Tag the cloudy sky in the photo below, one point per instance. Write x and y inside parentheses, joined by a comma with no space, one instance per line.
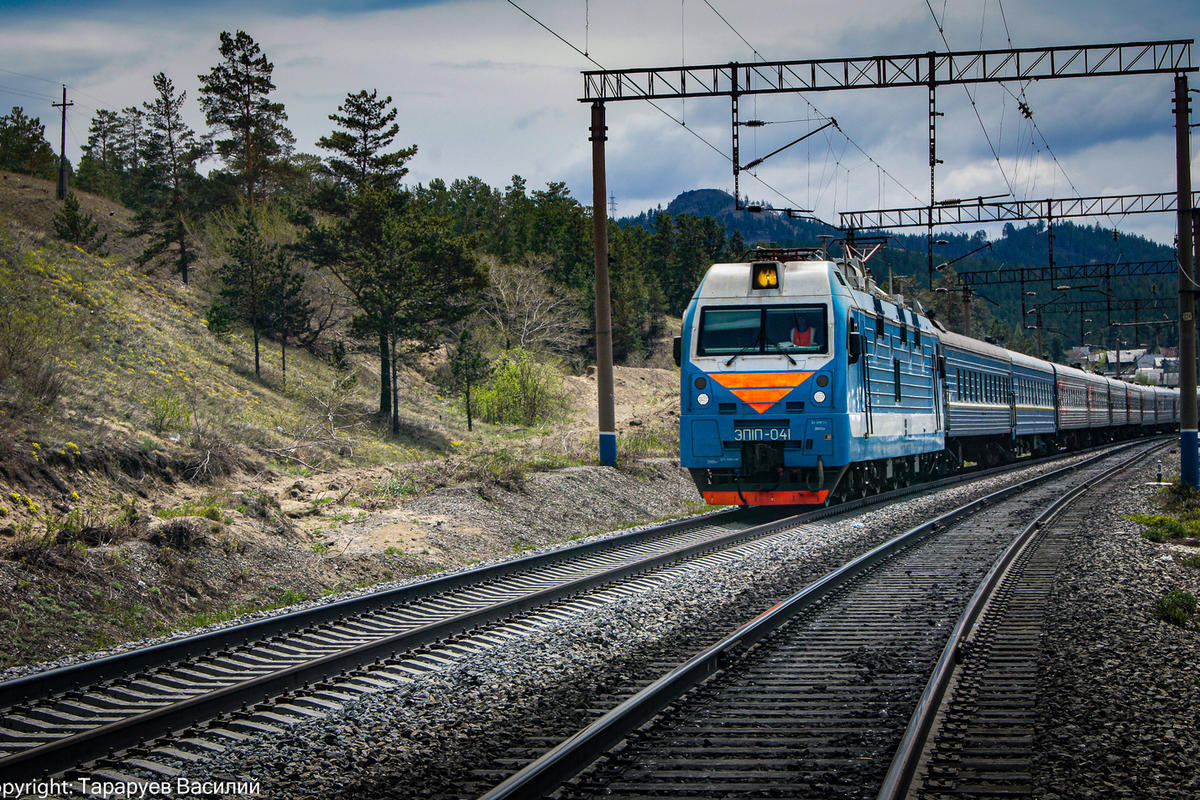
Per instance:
(483,90)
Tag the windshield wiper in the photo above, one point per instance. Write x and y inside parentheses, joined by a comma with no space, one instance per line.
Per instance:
(757,346)
(782,352)
(747,349)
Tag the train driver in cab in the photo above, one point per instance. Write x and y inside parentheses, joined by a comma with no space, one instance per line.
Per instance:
(803,333)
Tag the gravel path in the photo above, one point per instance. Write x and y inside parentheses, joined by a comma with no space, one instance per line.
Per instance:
(425,738)
(1120,692)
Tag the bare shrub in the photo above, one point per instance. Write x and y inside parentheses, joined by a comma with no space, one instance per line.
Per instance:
(530,310)
(325,431)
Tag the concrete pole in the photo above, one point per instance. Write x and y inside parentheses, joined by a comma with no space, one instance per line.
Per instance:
(604,365)
(1189,449)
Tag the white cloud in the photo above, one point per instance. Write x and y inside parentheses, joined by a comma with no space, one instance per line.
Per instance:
(484,91)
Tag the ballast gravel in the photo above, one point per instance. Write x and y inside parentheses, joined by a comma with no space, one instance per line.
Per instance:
(453,732)
(1119,693)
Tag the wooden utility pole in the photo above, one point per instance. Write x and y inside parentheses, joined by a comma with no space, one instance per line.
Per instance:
(62,147)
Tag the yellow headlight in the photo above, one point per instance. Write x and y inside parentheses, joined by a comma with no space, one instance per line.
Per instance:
(766,276)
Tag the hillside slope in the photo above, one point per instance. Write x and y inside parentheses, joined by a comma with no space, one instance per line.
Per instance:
(149,480)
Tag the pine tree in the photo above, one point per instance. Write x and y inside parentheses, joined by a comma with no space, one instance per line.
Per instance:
(168,180)
(409,275)
(290,309)
(369,194)
(517,216)
(260,287)
(426,279)
(100,166)
(131,138)
(368,129)
(468,367)
(23,145)
(235,96)
(77,227)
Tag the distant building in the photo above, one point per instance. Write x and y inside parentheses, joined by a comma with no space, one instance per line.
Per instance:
(1158,370)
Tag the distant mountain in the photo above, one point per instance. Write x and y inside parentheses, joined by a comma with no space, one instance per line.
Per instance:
(1026,245)
(763,227)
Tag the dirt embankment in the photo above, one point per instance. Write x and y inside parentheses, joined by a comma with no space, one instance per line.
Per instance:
(102,585)
(187,550)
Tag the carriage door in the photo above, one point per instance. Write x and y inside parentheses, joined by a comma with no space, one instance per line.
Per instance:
(864,358)
(1013,383)
(941,391)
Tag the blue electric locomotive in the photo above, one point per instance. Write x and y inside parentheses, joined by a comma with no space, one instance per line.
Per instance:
(800,377)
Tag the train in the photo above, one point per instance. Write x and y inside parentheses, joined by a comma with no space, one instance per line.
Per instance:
(803,382)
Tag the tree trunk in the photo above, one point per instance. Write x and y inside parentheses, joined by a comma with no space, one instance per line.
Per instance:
(257,373)
(395,392)
(183,256)
(385,379)
(469,425)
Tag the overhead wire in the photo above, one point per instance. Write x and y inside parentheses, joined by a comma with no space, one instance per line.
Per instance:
(656,106)
(1023,99)
(942,32)
(26,93)
(820,114)
(736,32)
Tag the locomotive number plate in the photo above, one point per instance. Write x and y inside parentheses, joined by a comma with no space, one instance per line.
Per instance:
(762,433)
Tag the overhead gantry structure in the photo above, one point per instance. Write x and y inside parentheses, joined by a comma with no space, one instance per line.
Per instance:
(930,70)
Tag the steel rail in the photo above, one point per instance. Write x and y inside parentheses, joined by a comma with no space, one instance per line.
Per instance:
(571,756)
(70,750)
(38,685)
(908,755)
(131,730)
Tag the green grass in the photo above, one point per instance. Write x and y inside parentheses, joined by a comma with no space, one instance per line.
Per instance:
(1164,527)
(1176,607)
(1180,517)
(394,488)
(648,443)
(281,599)
(206,508)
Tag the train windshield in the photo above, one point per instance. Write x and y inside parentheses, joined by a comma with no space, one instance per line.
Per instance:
(740,330)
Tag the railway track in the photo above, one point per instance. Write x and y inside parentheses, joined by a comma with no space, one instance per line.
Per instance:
(315,660)
(972,734)
(812,697)
(90,709)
